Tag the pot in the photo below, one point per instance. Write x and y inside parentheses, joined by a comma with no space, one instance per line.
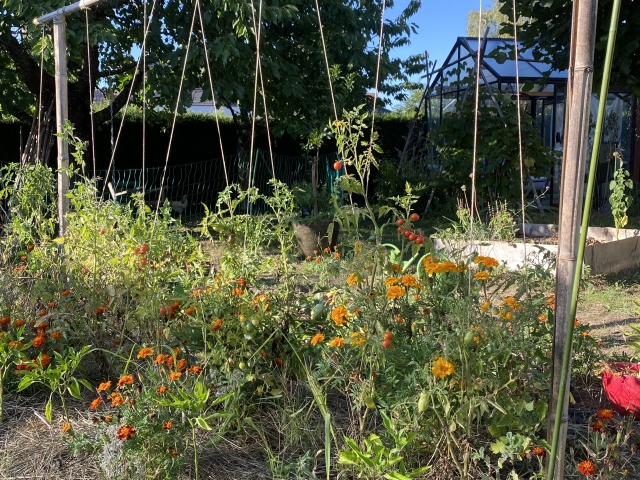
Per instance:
(621,382)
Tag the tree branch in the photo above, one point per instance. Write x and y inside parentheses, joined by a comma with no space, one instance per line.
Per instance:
(117,71)
(26,66)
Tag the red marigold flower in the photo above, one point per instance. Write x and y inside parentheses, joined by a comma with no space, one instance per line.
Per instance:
(52,304)
(538,451)
(162,389)
(42,326)
(242,282)
(5,321)
(39,340)
(587,468)
(56,335)
(66,293)
(605,414)
(169,361)
(45,360)
(18,323)
(173,376)
(96,403)
(125,432)
(104,386)
(125,380)
(145,352)
(167,425)
(597,426)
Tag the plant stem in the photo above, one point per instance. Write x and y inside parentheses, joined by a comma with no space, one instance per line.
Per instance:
(195,451)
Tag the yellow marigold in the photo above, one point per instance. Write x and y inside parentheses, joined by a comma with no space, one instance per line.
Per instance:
(339,315)
(352,280)
(410,281)
(396,292)
(358,338)
(482,275)
(442,368)
(512,303)
(337,342)
(145,352)
(317,338)
(389,282)
(485,305)
(104,386)
(173,376)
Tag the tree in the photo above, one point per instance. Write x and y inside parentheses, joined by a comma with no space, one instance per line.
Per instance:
(492,18)
(294,74)
(547,30)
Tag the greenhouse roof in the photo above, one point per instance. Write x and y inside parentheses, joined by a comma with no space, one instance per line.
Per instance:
(529,69)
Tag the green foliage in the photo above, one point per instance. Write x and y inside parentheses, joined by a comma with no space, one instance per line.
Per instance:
(497,156)
(620,200)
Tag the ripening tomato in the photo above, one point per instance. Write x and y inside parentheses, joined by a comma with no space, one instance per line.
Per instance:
(144,247)
(337,165)
(163,311)
(84,271)
(386,343)
(388,335)
(413,237)
(136,250)
(420,240)
(401,221)
(415,217)
(143,261)
(400,229)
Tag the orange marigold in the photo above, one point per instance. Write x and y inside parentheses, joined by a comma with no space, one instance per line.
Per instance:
(56,335)
(173,376)
(391,281)
(482,275)
(442,368)
(42,313)
(396,292)
(116,399)
(39,340)
(125,432)
(161,358)
(125,380)
(42,326)
(317,338)
(145,352)
(339,315)
(538,451)
(182,364)
(542,318)
(45,360)
(52,304)
(358,339)
(104,386)
(66,293)
(587,468)
(190,311)
(95,404)
(162,389)
(65,427)
(5,321)
(337,342)
(19,323)
(605,414)
(597,426)
(410,281)
(217,324)
(167,425)
(195,369)
(352,279)
(237,292)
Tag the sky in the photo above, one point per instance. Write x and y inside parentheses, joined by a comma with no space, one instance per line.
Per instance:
(439,23)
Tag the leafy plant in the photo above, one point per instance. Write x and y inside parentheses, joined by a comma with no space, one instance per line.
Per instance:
(620,200)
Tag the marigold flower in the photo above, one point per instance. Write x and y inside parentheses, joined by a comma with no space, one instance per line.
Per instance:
(39,340)
(538,451)
(65,427)
(410,281)
(100,310)
(190,311)
(605,414)
(352,279)
(169,361)
(15,344)
(125,432)
(597,426)
(587,468)
(576,323)
(173,376)
(18,323)
(261,301)
(242,282)
(42,313)
(96,403)
(104,386)
(542,318)
(308,258)
(358,339)
(391,281)
(339,315)
(45,360)
(337,342)
(216,325)
(145,352)
(318,259)
(317,338)
(52,304)
(395,292)
(442,368)
(585,334)
(108,418)
(481,275)
(237,292)
(5,321)
(167,425)
(195,369)
(42,326)
(161,358)
(116,399)
(56,335)
(337,255)
(182,364)
(125,380)
(326,250)
(65,293)
(162,389)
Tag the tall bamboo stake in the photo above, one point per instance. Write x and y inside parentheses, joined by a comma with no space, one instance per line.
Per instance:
(573,169)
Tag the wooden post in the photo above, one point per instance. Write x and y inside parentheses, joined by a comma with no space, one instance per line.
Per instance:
(572,185)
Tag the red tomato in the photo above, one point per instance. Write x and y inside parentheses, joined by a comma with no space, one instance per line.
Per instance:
(420,240)
(388,335)
(84,271)
(415,217)
(144,247)
(413,237)
(337,165)
(136,250)
(401,221)
(408,233)
(400,229)
(143,261)
(386,343)
(102,232)
(163,311)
